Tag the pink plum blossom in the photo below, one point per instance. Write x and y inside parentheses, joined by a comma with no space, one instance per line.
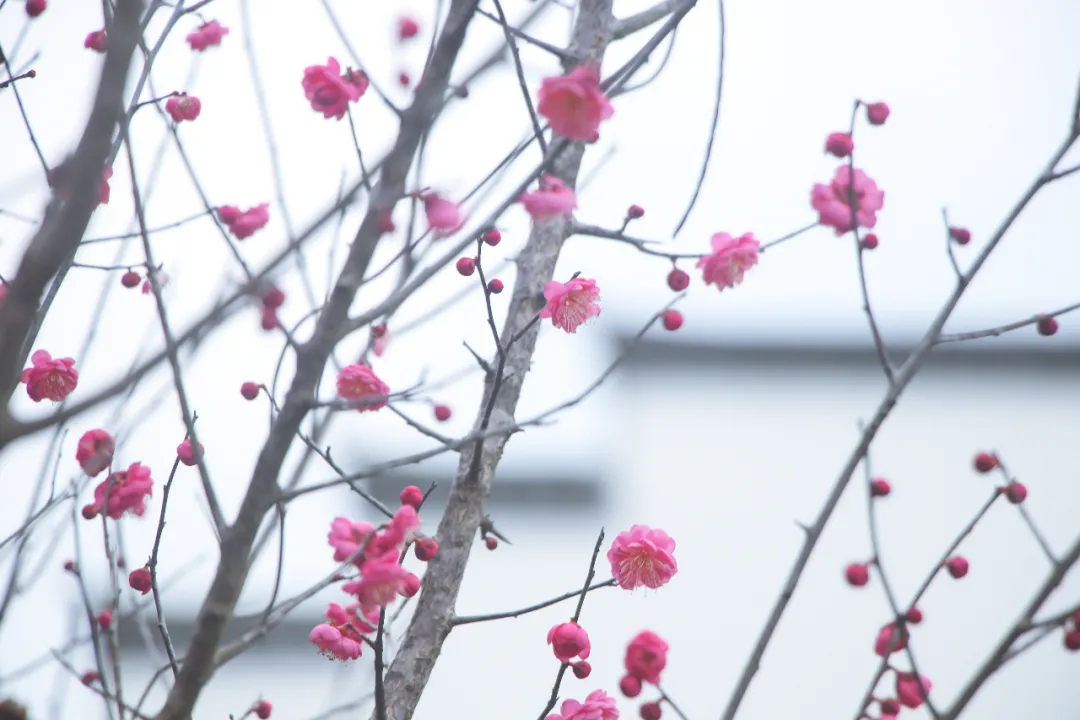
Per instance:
(571,304)
(95,451)
(597,706)
(358,382)
(646,657)
(908,690)
(730,259)
(833,203)
(642,556)
(330,92)
(444,217)
(127,490)
(892,637)
(341,638)
(347,537)
(574,104)
(243,224)
(206,35)
(103,185)
(553,199)
(49,378)
(568,641)
(183,107)
(382,579)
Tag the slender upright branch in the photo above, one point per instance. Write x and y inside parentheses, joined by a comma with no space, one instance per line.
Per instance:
(432,621)
(72,205)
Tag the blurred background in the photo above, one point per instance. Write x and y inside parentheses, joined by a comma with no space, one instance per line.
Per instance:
(726,433)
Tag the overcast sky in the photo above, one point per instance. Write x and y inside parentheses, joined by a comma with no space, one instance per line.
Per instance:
(980,91)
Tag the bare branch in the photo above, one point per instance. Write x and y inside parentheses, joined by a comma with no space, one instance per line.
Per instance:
(431,623)
(469,619)
(903,377)
(639,21)
(71,207)
(311,359)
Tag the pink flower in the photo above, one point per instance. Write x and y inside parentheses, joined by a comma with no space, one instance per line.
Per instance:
(413,496)
(574,104)
(48,378)
(877,113)
(646,657)
(407,28)
(642,556)
(890,637)
(162,279)
(908,690)
(597,706)
(347,537)
(141,580)
(730,259)
(571,304)
(403,526)
(103,186)
(381,341)
(183,107)
(833,204)
(358,382)
(329,92)
(552,199)
(839,144)
(381,581)
(244,224)
(97,41)
(569,640)
(444,217)
(95,451)
(185,452)
(342,637)
(207,35)
(128,490)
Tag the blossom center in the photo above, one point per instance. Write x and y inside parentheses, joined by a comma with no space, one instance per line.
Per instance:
(327,96)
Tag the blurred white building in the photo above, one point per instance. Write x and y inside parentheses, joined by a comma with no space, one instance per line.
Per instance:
(727,446)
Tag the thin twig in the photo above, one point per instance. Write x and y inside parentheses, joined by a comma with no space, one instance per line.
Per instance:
(577,616)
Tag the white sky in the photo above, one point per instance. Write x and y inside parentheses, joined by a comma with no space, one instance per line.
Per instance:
(980,93)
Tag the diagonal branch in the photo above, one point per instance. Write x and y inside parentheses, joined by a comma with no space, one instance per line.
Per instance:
(311,359)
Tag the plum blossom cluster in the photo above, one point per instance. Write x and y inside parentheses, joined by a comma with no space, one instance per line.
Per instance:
(598,705)
(244,223)
(639,556)
(377,554)
(852,198)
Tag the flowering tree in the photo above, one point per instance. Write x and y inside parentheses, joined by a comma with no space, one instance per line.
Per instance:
(385,202)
